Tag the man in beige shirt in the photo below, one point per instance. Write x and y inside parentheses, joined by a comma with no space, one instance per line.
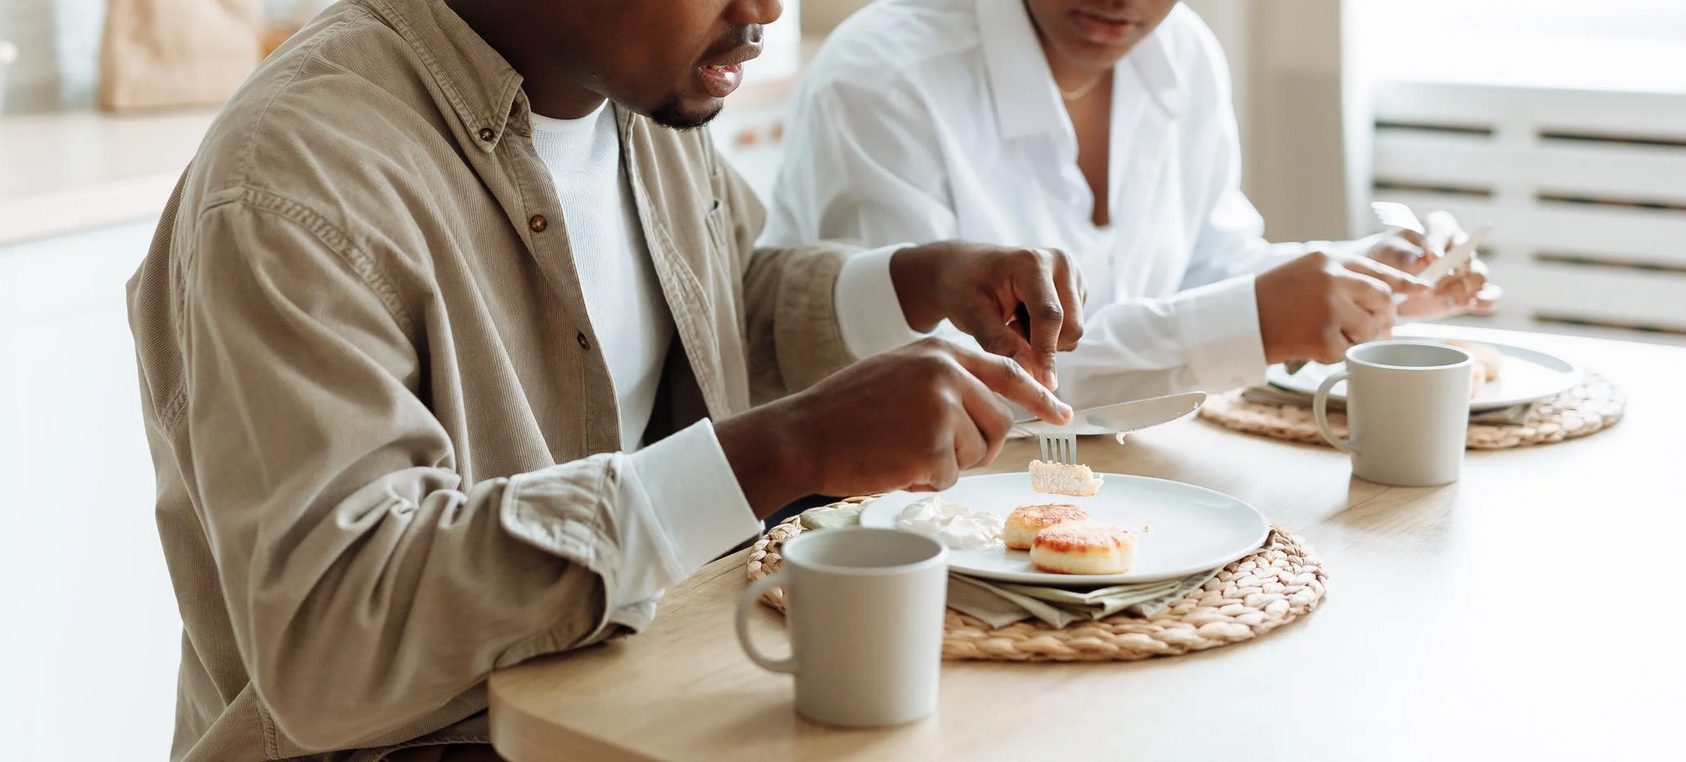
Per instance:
(393,452)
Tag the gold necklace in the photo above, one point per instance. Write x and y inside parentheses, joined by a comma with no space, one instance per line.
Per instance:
(1072,95)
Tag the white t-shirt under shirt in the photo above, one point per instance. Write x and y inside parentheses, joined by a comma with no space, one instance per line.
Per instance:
(622,295)
(685,503)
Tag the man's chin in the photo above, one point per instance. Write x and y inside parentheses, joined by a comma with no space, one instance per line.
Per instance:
(675,113)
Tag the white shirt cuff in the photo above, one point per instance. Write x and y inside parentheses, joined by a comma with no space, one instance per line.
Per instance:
(868,313)
(685,510)
(1219,324)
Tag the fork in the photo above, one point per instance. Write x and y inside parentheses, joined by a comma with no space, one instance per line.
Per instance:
(1396,215)
(1058,448)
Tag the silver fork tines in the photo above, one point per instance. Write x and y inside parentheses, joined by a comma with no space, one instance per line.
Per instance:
(1058,448)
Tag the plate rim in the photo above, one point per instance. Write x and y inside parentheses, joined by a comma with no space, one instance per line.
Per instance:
(1275,374)
(1087,580)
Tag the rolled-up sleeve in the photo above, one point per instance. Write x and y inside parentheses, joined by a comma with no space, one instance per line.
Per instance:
(367,582)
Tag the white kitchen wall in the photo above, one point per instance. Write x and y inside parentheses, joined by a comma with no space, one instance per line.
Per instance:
(1303,125)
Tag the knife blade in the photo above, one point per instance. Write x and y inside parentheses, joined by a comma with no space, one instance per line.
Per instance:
(1459,256)
(1120,417)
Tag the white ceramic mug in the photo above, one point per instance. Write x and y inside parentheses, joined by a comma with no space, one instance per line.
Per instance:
(1407,410)
(864,608)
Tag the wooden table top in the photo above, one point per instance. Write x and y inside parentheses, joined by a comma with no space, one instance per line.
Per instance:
(1525,611)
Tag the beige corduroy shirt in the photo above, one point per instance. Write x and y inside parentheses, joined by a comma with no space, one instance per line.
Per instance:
(385,437)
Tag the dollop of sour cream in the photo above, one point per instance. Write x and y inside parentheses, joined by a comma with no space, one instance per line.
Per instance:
(952,524)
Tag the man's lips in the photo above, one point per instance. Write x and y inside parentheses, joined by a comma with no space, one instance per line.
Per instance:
(1103,28)
(720,81)
(722,74)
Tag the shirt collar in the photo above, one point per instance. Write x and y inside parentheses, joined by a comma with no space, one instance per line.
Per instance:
(1020,82)
(482,89)
(1152,61)
(1027,101)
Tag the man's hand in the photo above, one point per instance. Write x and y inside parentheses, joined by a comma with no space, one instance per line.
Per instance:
(1018,303)
(1466,290)
(911,418)
(1317,305)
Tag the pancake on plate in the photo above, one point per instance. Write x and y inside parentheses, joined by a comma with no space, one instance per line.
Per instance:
(1026,520)
(1487,363)
(1084,547)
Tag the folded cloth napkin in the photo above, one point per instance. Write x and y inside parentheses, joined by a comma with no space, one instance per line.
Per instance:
(1001,603)
(1272,395)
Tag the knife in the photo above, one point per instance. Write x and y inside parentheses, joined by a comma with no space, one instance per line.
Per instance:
(1121,417)
(1459,256)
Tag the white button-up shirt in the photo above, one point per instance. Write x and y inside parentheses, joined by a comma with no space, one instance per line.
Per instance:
(923,120)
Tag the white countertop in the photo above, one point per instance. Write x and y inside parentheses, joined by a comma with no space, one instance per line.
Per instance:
(69,171)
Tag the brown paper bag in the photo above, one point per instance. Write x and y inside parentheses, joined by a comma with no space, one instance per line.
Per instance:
(161,53)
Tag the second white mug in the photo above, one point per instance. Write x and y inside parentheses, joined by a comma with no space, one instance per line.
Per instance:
(1407,411)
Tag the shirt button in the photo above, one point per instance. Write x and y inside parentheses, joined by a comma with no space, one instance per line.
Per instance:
(538,223)
(580,337)
(487,134)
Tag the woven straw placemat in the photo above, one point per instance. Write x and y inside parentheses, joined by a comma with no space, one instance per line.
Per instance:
(1593,406)
(1280,582)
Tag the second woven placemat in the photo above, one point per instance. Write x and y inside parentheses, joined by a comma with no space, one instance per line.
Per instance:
(1280,582)
(1593,406)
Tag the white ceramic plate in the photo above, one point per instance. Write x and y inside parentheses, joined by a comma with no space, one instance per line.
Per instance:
(1526,375)
(1180,528)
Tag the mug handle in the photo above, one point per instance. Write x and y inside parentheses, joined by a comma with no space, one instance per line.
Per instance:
(747,602)
(1320,410)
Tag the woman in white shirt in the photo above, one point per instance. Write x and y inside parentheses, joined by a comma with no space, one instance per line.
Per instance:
(1104,129)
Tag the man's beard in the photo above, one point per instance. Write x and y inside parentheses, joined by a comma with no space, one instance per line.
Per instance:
(672,114)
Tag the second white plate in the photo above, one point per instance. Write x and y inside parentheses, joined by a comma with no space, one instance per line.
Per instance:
(1526,375)
(1180,528)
